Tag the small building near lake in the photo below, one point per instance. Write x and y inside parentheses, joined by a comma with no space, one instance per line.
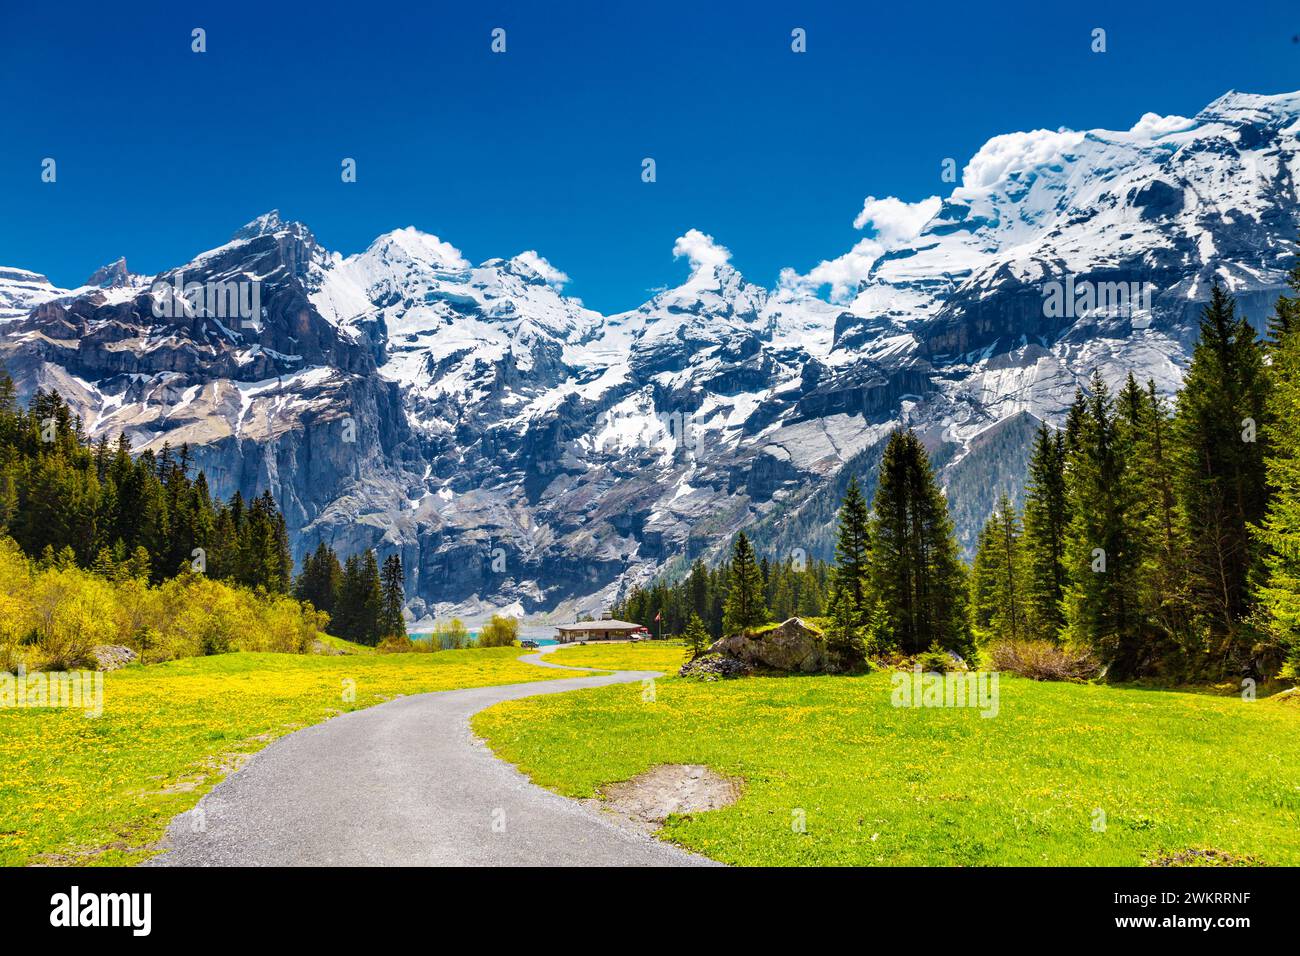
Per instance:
(606,630)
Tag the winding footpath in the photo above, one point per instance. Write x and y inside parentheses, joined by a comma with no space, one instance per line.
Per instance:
(405,783)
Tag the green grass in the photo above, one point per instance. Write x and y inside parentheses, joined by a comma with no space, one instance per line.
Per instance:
(342,644)
(75,790)
(666,656)
(879,785)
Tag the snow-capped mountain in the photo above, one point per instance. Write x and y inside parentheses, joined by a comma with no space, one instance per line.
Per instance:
(21,291)
(523,451)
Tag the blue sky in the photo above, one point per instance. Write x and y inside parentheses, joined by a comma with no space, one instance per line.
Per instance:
(162,152)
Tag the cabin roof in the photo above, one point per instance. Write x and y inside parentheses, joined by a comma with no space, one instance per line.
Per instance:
(599,626)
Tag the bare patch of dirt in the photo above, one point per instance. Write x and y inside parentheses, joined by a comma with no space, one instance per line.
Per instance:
(1202,857)
(183,786)
(221,765)
(647,800)
(230,763)
(86,856)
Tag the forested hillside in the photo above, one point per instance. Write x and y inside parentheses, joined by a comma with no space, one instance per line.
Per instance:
(108,509)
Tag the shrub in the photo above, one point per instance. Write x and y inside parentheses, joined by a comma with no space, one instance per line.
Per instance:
(1043,660)
(847,649)
(499,632)
(449,637)
(16,620)
(74,611)
(395,644)
(53,613)
(937,661)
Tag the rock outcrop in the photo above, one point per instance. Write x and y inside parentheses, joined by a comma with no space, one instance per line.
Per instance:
(111,657)
(792,646)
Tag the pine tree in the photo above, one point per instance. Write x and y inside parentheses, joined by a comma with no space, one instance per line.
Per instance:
(1074,420)
(984,581)
(62,490)
(916,574)
(1046,520)
(999,599)
(697,638)
(321,578)
(372,599)
(1101,557)
(698,589)
(1220,432)
(1160,547)
(850,578)
(783,592)
(391,622)
(851,602)
(1279,533)
(348,611)
(744,609)
(812,599)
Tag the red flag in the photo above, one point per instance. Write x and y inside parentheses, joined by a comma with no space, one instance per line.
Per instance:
(657,616)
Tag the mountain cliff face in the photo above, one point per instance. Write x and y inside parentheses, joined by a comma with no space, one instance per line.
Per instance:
(521,451)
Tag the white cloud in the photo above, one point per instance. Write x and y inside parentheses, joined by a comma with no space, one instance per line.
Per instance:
(895,221)
(1155,125)
(701,250)
(548,272)
(1016,152)
(842,274)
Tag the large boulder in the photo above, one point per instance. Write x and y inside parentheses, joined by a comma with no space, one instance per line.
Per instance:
(793,646)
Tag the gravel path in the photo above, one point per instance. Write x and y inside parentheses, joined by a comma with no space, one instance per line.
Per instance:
(404,783)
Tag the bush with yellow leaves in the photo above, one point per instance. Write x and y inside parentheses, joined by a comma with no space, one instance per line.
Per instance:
(52,614)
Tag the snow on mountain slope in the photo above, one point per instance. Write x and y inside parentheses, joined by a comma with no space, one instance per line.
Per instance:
(21,291)
(451,328)
(520,450)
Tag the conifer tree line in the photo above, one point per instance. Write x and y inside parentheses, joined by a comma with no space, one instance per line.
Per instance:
(61,495)
(775,590)
(1164,536)
(364,602)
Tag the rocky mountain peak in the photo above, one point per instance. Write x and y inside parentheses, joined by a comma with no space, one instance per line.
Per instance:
(266,224)
(115,275)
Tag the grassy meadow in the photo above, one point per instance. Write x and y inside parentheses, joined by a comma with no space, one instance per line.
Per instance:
(76,790)
(666,656)
(835,775)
